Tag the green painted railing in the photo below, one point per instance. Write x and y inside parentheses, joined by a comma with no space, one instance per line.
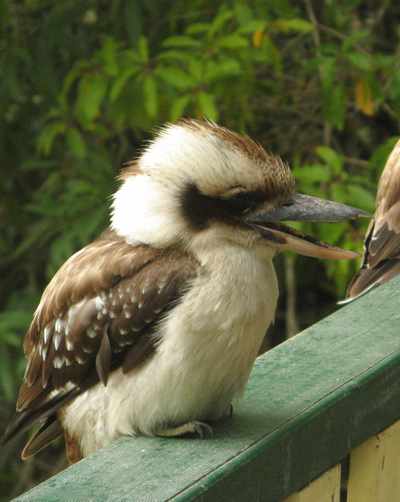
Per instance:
(308,403)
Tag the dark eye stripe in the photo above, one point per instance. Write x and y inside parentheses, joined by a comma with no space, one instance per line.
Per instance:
(243,201)
(199,209)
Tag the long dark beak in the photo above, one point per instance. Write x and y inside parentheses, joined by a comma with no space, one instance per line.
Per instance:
(303,208)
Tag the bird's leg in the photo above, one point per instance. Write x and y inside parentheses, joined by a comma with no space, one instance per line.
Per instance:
(201,429)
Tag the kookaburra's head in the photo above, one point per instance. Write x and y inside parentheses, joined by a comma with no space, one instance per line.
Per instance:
(198,184)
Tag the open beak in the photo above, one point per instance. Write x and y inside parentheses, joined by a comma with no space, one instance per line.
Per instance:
(303,208)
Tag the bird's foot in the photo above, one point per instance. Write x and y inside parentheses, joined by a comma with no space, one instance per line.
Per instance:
(195,427)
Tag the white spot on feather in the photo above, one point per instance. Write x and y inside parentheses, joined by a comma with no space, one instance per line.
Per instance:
(46,334)
(80,360)
(161,287)
(69,344)
(58,362)
(57,340)
(91,333)
(99,303)
(59,325)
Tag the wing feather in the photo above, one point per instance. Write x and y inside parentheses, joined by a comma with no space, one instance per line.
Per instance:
(77,338)
(48,432)
(103,359)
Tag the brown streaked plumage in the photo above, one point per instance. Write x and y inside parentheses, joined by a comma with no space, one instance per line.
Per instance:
(381,260)
(91,320)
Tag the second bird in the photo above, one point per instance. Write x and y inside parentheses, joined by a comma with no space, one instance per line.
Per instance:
(381,260)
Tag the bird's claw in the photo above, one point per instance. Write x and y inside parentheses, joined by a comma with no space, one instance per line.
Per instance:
(202,429)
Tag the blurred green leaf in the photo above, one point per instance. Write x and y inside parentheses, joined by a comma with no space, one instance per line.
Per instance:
(196,69)
(233,42)
(360,60)
(150,96)
(335,106)
(109,56)
(48,135)
(173,55)
(92,90)
(197,28)
(381,154)
(361,197)
(143,48)
(176,77)
(178,107)
(252,26)
(222,69)
(181,41)
(120,82)
(296,25)
(332,158)
(312,173)
(76,143)
(207,106)
(220,20)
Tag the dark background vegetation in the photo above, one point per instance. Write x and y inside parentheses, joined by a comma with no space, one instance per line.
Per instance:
(83,84)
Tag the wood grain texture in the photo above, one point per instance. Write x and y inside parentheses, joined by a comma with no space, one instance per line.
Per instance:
(326,488)
(375,468)
(308,403)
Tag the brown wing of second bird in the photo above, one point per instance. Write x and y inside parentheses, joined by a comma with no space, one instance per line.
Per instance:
(381,259)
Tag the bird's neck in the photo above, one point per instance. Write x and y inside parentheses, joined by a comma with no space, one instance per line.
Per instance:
(243,278)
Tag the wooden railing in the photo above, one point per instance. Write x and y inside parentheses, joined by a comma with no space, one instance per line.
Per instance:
(311,402)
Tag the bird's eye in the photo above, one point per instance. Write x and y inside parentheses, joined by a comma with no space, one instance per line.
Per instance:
(243,201)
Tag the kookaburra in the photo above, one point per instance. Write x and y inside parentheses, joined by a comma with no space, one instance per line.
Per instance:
(381,260)
(153,328)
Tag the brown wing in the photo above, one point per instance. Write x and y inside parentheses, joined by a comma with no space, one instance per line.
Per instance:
(381,259)
(99,313)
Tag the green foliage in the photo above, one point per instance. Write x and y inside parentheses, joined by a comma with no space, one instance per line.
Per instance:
(84,83)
